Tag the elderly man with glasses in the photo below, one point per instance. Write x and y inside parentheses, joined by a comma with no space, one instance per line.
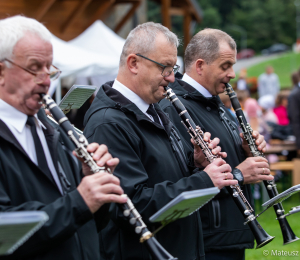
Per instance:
(155,164)
(37,168)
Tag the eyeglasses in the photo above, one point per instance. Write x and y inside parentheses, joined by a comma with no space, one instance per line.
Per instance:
(40,76)
(167,70)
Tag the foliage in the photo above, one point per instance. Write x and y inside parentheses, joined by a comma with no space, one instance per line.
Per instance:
(265,21)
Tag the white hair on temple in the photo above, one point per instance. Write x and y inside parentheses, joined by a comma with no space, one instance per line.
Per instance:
(13,29)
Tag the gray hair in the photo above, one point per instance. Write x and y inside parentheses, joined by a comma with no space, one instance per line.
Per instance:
(141,39)
(205,45)
(13,29)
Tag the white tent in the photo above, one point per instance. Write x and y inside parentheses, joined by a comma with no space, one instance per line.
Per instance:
(93,57)
(73,60)
(100,39)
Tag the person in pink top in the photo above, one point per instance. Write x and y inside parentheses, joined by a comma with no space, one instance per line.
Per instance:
(281,109)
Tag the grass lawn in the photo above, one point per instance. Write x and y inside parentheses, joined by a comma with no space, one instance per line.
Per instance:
(271,226)
(283,67)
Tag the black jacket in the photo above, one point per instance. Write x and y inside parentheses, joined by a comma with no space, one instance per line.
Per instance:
(150,174)
(294,113)
(222,221)
(70,232)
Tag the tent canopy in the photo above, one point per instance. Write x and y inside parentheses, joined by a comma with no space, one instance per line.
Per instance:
(71,59)
(98,38)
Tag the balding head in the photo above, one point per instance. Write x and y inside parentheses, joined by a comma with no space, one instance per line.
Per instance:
(206,45)
(142,40)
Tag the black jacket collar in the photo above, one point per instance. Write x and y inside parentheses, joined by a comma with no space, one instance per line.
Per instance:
(187,91)
(107,97)
(51,134)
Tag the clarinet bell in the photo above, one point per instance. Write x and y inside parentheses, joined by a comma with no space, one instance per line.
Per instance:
(287,232)
(261,236)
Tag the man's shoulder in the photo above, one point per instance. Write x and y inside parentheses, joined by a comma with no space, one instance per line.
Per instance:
(107,115)
(295,93)
(110,119)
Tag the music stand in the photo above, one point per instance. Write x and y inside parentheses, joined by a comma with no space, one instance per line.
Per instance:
(183,205)
(76,97)
(283,196)
(17,227)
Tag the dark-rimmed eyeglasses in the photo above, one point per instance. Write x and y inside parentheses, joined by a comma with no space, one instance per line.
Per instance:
(40,76)
(167,70)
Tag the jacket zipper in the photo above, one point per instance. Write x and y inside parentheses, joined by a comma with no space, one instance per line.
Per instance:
(232,132)
(179,150)
(216,213)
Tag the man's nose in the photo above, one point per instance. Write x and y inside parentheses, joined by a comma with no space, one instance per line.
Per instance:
(46,80)
(170,78)
(231,73)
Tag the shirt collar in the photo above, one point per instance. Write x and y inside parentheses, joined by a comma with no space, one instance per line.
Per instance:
(196,85)
(12,116)
(129,94)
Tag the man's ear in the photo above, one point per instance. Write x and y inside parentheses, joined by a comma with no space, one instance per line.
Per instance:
(2,71)
(199,66)
(132,63)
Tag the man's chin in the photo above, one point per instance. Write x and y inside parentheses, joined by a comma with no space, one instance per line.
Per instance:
(32,109)
(221,88)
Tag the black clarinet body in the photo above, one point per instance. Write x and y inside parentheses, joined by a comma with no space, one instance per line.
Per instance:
(261,236)
(129,211)
(287,232)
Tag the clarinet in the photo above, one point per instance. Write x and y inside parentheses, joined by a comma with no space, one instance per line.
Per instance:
(261,236)
(287,232)
(129,211)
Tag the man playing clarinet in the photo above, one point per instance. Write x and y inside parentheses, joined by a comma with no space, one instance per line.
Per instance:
(156,165)
(37,168)
(208,59)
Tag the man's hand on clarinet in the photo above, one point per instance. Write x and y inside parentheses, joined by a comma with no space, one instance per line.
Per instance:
(220,173)
(100,188)
(255,169)
(101,156)
(199,157)
(259,141)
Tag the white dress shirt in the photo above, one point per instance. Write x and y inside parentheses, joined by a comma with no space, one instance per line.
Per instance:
(134,98)
(186,78)
(16,122)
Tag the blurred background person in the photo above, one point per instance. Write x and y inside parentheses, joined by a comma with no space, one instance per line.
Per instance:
(294,109)
(242,83)
(268,116)
(268,83)
(280,108)
(250,107)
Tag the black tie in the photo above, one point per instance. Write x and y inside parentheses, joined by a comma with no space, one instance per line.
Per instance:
(41,158)
(152,112)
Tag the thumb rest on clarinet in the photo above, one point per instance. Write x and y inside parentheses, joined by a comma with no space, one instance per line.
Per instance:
(129,211)
(261,236)
(287,232)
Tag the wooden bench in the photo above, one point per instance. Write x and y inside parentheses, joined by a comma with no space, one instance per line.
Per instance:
(293,166)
